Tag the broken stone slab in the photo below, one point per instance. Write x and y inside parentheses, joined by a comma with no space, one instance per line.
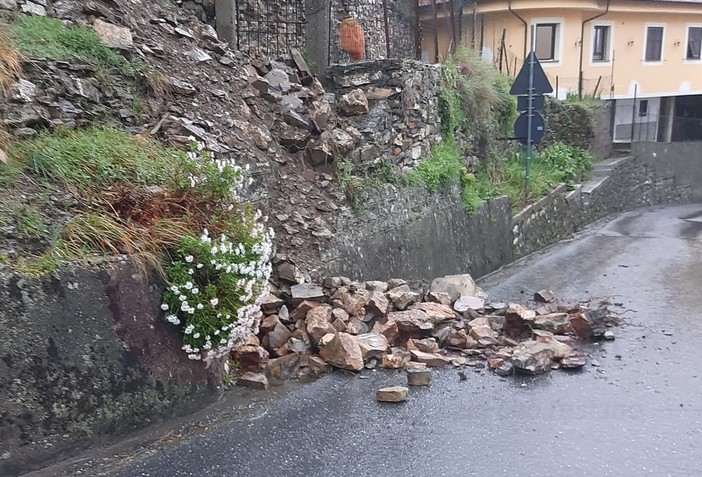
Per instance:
(198,55)
(295,119)
(413,322)
(459,361)
(516,318)
(290,273)
(574,361)
(392,394)
(113,35)
(376,286)
(430,359)
(402,296)
(307,292)
(439,297)
(428,345)
(341,350)
(532,357)
(31,8)
(388,329)
(182,87)
(268,323)
(321,151)
(253,380)
(465,303)
(285,367)
(278,336)
(556,323)
(23,91)
(589,324)
(454,285)
(278,79)
(460,339)
(251,358)
(609,335)
(378,303)
(352,301)
(372,345)
(8,4)
(397,359)
(419,377)
(544,296)
(354,103)
(480,329)
(507,369)
(318,322)
(271,303)
(437,312)
(315,366)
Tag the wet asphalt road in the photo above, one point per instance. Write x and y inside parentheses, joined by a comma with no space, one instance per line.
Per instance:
(637,415)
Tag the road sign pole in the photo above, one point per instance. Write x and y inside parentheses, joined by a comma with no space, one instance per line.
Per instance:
(530,111)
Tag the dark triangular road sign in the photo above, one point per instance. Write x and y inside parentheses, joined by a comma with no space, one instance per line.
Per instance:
(521,82)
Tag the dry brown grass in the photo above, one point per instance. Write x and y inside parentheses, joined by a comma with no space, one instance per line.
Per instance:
(158,84)
(10,61)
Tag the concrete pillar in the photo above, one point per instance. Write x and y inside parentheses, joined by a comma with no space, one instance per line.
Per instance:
(225,14)
(317,33)
(670,116)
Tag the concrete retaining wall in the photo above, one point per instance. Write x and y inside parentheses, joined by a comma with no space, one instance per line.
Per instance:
(85,354)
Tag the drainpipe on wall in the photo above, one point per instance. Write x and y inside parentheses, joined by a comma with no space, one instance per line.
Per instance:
(582,48)
(526,28)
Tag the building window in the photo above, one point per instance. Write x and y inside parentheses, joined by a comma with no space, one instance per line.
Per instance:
(545,41)
(600,47)
(654,43)
(643,107)
(694,39)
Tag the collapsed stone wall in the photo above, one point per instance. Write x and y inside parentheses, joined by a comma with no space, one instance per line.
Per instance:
(85,354)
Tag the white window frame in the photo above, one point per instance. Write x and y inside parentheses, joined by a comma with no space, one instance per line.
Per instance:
(645,44)
(558,46)
(610,46)
(687,38)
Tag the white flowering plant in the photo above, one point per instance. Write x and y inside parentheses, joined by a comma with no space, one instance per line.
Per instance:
(216,280)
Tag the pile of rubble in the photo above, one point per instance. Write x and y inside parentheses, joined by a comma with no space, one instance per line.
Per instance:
(351,326)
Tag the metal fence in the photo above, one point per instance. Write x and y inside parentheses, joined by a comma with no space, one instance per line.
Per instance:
(269,28)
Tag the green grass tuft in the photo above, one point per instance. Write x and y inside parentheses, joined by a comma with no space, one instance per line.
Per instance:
(44,37)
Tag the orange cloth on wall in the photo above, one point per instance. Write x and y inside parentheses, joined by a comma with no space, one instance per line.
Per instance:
(351,39)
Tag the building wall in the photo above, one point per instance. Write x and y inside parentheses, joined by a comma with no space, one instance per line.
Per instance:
(627,70)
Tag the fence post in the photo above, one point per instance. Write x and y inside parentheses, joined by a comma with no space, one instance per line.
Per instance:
(387,28)
(633,113)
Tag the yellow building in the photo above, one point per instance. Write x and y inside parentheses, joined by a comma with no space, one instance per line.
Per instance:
(643,55)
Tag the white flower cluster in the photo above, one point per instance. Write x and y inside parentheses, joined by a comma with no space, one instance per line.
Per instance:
(216,324)
(199,157)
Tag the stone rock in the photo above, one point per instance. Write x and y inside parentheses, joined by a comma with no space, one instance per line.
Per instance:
(402,297)
(318,322)
(285,367)
(354,103)
(321,151)
(413,322)
(480,329)
(388,329)
(465,303)
(271,303)
(353,302)
(392,394)
(355,326)
(516,317)
(495,362)
(278,79)
(430,359)
(589,324)
(609,335)
(253,380)
(23,91)
(295,119)
(460,339)
(419,377)
(8,4)
(532,357)
(376,286)
(113,35)
(260,84)
(377,304)
(544,296)
(315,366)
(428,345)
(574,361)
(296,345)
(396,360)
(300,312)
(557,323)
(372,345)
(455,285)
(341,350)
(278,336)
(507,369)
(251,358)
(198,55)
(290,273)
(396,282)
(458,362)
(439,297)
(342,141)
(268,323)
(437,312)
(307,292)
(31,8)
(340,314)
(182,87)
